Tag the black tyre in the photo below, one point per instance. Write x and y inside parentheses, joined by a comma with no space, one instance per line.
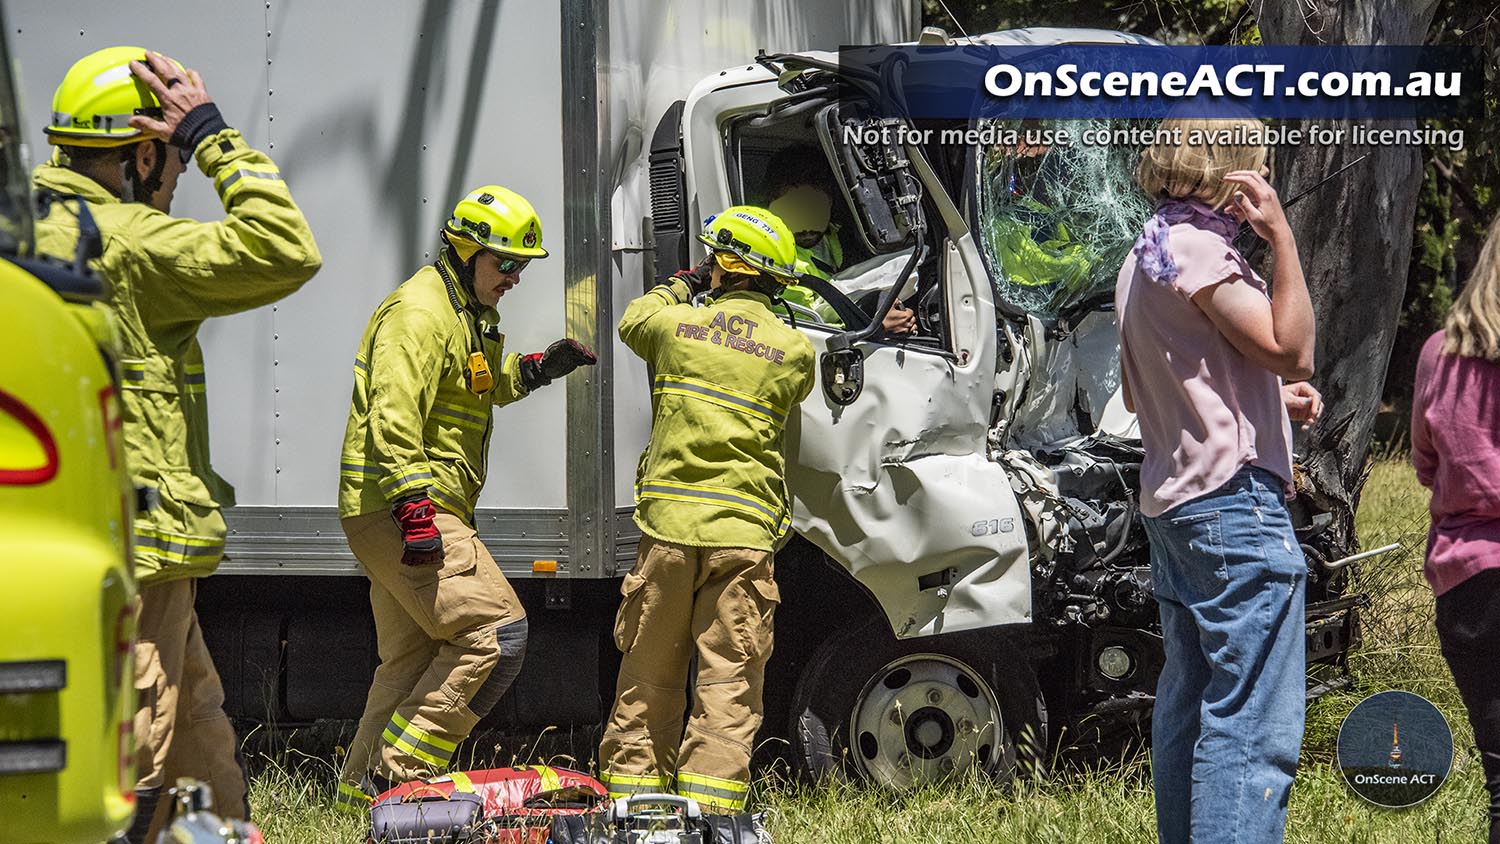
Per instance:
(903,713)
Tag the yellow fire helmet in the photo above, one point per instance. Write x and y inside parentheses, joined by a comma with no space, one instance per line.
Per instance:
(97,98)
(497,219)
(755,238)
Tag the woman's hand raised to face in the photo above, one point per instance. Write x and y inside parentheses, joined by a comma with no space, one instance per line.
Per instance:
(1256,203)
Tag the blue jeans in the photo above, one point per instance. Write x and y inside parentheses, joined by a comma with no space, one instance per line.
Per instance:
(1231,584)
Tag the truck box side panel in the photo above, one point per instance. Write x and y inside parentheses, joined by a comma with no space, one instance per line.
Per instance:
(433,100)
(377,135)
(379,117)
(46,39)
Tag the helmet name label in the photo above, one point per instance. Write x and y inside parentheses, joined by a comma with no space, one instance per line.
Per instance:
(758,223)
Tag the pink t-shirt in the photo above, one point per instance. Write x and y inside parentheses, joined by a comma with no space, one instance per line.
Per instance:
(1455,446)
(1205,410)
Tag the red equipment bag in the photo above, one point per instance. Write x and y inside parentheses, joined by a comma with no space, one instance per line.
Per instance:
(515,806)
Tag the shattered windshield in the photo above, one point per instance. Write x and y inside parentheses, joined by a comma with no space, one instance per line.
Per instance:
(1055,221)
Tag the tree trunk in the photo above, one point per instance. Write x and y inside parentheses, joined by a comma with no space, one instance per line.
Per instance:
(1355,236)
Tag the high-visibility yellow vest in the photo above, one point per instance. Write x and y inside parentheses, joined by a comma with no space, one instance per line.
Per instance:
(821,261)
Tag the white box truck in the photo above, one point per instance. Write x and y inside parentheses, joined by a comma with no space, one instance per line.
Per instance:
(968,570)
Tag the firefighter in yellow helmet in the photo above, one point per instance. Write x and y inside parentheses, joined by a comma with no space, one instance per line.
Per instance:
(712,505)
(125,125)
(430,368)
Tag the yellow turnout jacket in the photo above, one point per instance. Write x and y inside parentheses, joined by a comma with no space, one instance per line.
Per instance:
(726,377)
(414,426)
(167,275)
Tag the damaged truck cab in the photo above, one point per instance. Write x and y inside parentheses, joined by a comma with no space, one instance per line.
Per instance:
(977,479)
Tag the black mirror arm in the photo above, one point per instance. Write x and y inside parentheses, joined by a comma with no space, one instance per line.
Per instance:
(847,339)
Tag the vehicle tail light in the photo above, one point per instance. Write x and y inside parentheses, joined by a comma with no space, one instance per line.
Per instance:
(114,423)
(125,767)
(124,641)
(28,453)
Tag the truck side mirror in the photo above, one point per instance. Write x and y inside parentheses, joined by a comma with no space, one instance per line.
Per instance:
(843,375)
(669,220)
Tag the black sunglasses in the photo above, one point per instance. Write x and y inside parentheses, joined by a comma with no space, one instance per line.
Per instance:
(511,265)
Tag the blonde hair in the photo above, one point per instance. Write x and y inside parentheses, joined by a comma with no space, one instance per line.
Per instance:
(1192,155)
(1473,326)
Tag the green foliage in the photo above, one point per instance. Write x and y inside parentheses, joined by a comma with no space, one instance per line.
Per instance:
(1173,21)
(1459,198)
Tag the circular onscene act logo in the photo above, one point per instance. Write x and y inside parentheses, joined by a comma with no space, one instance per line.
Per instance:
(1395,749)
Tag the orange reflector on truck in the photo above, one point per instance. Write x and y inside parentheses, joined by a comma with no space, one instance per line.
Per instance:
(544,567)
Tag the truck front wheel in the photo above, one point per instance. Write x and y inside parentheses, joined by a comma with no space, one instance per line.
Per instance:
(906,713)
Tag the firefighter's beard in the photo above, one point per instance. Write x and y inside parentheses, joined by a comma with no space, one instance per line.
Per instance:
(809,239)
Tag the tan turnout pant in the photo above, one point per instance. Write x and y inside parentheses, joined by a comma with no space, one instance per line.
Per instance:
(713,603)
(451,639)
(180,726)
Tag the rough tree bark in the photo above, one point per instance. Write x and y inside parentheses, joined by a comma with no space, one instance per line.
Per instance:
(1355,237)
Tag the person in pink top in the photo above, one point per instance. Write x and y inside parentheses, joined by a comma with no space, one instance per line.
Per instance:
(1455,446)
(1204,349)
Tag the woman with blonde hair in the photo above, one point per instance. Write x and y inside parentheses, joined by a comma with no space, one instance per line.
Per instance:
(1204,349)
(1455,446)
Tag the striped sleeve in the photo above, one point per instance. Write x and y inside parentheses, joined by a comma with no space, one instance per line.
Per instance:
(635,325)
(261,251)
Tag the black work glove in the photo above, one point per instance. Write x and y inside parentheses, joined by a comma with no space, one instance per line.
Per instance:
(699,278)
(421,543)
(538,369)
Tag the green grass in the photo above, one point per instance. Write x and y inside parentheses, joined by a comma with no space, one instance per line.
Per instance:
(1114,804)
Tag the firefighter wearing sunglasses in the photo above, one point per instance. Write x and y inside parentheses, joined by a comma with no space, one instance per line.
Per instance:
(428,372)
(712,506)
(125,125)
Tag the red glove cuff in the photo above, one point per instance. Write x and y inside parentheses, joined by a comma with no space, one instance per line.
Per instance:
(414,517)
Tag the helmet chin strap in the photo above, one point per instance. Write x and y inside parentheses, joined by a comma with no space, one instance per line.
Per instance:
(132,187)
(465,271)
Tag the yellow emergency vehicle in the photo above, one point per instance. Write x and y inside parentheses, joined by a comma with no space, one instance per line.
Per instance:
(68,610)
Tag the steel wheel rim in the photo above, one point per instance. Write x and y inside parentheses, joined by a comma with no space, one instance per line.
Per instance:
(924,717)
